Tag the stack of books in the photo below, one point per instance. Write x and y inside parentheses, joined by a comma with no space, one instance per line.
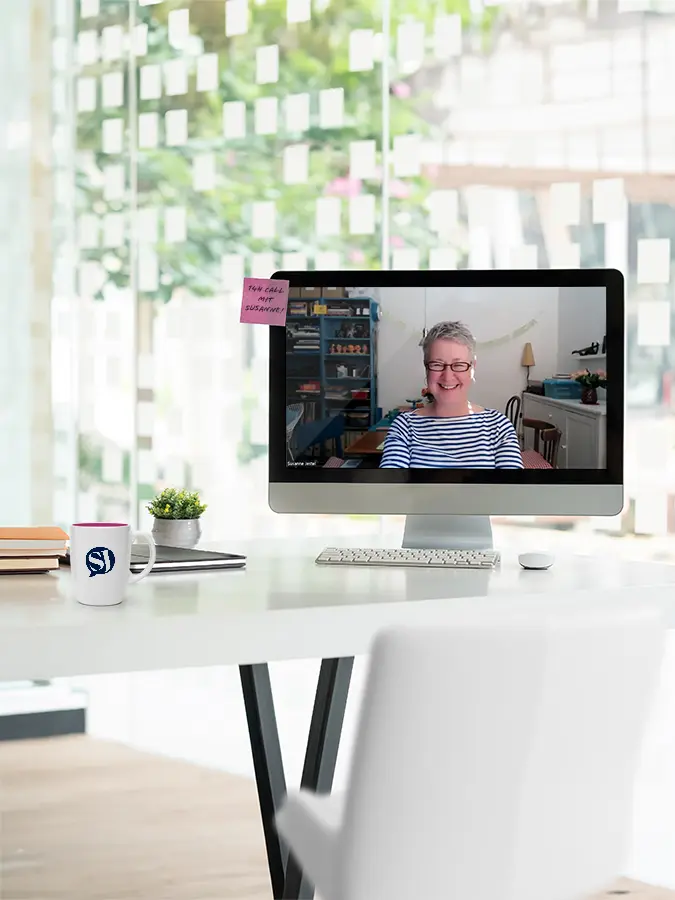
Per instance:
(31,550)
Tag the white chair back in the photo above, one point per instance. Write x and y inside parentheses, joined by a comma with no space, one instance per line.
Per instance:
(497,758)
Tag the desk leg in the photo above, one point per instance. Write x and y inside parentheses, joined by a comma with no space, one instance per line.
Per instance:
(320,758)
(323,743)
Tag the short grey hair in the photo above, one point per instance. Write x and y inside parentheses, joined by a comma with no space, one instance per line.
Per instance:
(448,331)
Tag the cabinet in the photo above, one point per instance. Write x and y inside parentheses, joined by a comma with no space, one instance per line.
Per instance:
(584,428)
(331,359)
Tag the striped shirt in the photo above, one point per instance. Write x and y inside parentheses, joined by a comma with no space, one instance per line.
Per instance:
(481,440)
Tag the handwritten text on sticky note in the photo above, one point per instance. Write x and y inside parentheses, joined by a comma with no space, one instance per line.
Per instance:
(264,301)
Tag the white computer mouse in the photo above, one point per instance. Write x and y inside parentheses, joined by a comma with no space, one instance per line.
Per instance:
(536,560)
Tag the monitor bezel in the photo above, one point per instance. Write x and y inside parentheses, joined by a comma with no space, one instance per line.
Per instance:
(610,279)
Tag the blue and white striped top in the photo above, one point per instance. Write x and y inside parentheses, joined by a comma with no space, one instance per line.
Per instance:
(481,440)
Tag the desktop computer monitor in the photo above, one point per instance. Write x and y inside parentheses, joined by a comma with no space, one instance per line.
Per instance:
(449,394)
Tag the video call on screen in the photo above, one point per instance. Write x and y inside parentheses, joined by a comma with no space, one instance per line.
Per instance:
(467,378)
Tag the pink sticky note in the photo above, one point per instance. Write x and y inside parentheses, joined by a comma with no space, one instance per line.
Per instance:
(264,301)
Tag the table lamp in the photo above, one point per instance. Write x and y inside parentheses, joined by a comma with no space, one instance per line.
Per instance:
(527,360)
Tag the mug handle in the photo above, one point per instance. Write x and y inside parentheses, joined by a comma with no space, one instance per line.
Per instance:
(149,540)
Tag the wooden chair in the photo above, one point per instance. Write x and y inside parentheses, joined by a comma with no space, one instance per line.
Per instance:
(512,411)
(546,439)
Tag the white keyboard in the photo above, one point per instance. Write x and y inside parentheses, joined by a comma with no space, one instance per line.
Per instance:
(445,559)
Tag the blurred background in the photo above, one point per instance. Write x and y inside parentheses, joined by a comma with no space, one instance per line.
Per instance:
(154,152)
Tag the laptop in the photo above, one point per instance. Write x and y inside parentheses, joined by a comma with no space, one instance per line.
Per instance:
(177,559)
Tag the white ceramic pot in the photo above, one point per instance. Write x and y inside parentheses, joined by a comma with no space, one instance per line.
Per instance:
(177,532)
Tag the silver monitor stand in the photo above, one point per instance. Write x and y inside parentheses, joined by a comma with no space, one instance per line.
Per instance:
(447,533)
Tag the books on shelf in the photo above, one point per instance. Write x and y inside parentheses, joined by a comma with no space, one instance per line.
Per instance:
(31,549)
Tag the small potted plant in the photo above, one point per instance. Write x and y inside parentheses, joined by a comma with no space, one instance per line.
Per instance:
(177,514)
(590,382)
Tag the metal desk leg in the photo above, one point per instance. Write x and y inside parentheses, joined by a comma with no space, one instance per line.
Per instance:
(323,743)
(322,748)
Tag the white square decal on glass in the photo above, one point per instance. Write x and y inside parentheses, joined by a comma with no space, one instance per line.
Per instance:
(566,256)
(232,268)
(113,230)
(653,323)
(236,17)
(296,164)
(88,229)
(148,130)
(204,172)
(60,55)
(147,226)
(296,113)
(175,77)
(443,259)
(148,269)
(87,48)
(150,83)
(114,186)
(179,28)
(263,219)
(443,208)
(89,8)
(112,89)
(609,200)
(616,244)
(262,265)
(480,248)
(147,470)
(410,46)
(653,261)
(405,259)
(175,224)
(361,50)
(448,36)
(140,39)
(145,412)
(207,72)
(113,135)
(298,11)
(327,261)
(266,115)
(146,371)
(362,159)
(328,216)
(267,64)
(91,278)
(86,94)
(234,119)
(331,108)
(565,199)
(112,42)
(407,161)
(176,124)
(524,257)
(112,470)
(362,214)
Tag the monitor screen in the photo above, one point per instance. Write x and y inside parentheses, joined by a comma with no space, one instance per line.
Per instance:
(496,381)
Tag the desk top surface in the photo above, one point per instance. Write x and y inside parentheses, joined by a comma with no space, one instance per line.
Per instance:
(282,606)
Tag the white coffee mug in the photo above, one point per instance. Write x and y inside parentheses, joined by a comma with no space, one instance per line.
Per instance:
(100,555)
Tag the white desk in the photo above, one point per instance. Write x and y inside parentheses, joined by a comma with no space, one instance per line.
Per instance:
(282,606)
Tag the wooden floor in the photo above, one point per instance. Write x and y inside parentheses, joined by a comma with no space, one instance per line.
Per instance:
(83,819)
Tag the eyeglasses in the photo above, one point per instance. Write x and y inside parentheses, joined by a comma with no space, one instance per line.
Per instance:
(455,366)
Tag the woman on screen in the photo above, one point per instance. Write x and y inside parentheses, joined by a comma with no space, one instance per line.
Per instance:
(451,432)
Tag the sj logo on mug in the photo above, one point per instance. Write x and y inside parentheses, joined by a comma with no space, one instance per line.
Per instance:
(100,561)
(104,548)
